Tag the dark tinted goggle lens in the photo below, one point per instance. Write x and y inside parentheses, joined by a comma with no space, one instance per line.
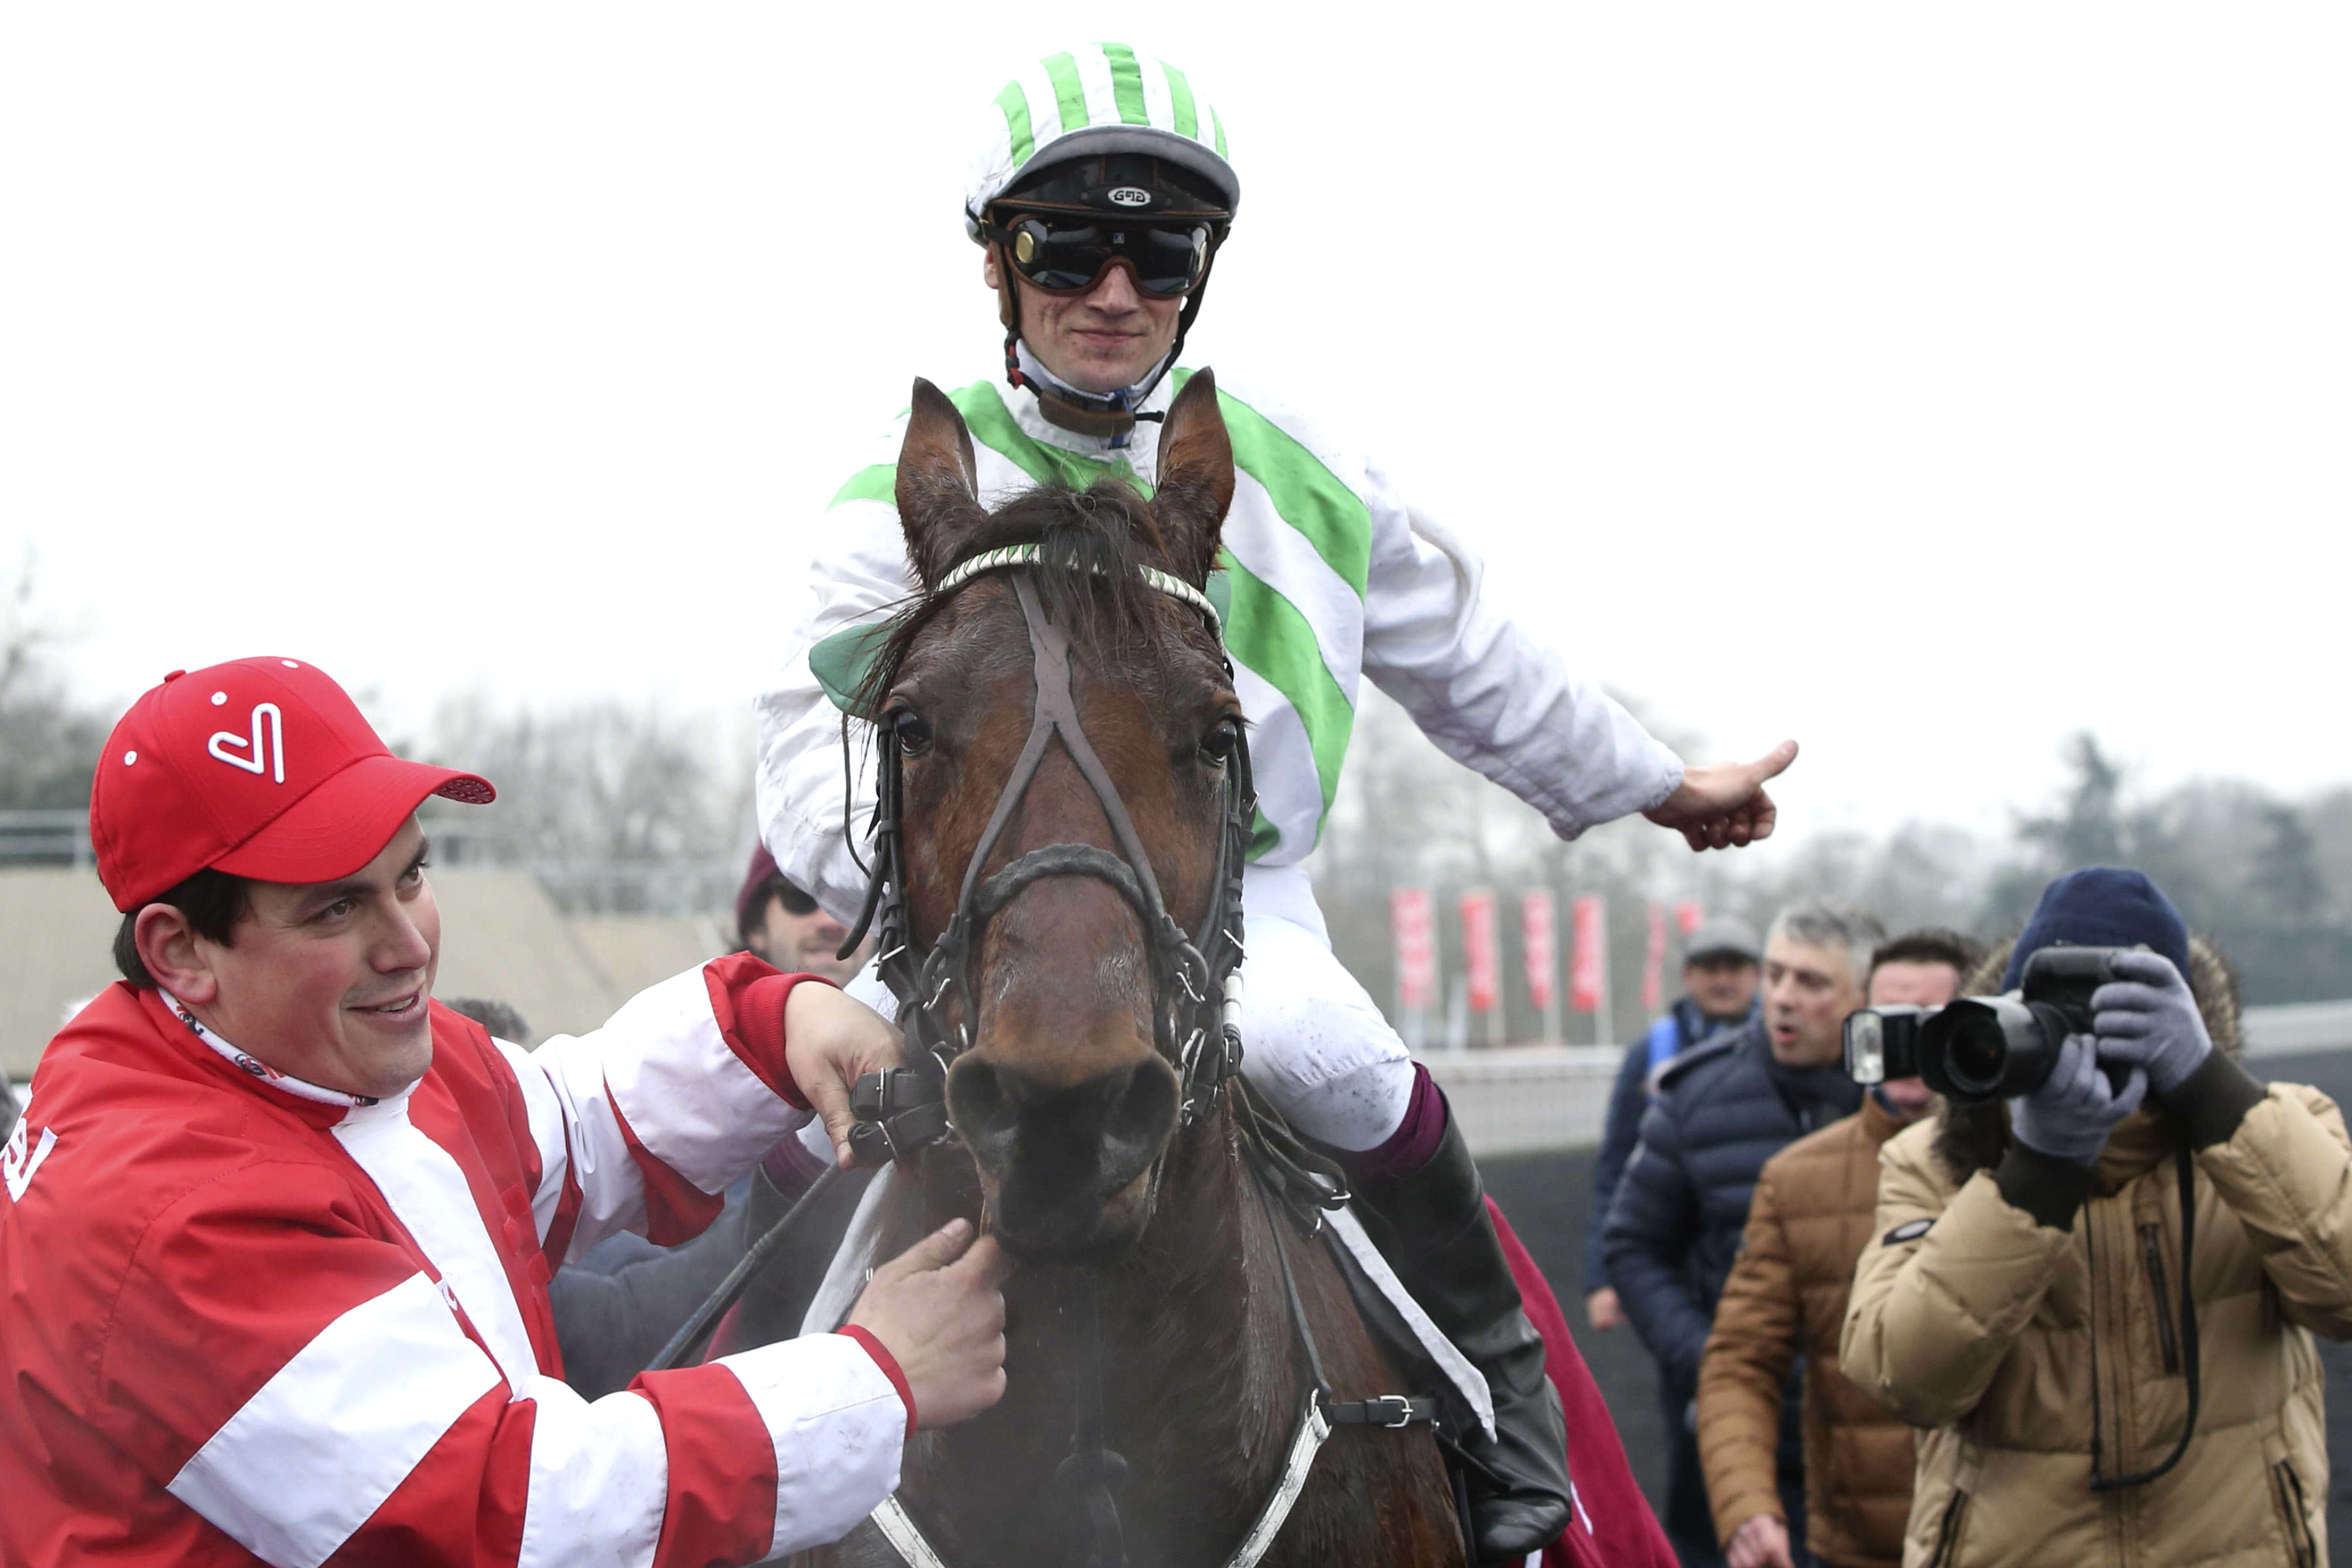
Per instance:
(1070,257)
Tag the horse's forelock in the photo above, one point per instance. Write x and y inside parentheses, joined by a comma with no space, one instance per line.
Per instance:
(1092,542)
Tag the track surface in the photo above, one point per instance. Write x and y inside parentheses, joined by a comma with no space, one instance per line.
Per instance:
(1549,1196)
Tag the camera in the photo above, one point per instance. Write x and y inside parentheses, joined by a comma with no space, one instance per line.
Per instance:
(1984,1048)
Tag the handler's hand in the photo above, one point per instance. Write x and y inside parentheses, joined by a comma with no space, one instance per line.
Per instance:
(1761,1542)
(1723,805)
(1602,1311)
(831,1042)
(937,1309)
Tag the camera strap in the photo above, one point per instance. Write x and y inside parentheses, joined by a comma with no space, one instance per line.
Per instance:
(2187,1166)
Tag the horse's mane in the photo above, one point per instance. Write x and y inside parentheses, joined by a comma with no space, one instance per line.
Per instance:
(1094,540)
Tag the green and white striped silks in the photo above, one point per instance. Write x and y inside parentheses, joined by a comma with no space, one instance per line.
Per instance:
(1098,97)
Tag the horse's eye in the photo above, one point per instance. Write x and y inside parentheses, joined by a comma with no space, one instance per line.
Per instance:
(1217,745)
(911,730)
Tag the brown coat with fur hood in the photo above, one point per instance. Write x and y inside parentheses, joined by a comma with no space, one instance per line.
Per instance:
(2009,1338)
(1811,1219)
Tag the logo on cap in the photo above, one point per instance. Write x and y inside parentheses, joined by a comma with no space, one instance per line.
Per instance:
(270,759)
(1130,197)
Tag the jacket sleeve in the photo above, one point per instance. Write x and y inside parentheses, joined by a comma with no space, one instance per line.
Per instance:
(1627,1097)
(1746,1369)
(642,1124)
(806,795)
(1935,1310)
(1651,1225)
(345,1412)
(2286,1173)
(1493,695)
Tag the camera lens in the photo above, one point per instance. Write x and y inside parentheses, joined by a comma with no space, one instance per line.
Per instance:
(1979,1055)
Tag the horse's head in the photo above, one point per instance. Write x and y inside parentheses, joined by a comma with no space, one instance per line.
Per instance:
(1066,1093)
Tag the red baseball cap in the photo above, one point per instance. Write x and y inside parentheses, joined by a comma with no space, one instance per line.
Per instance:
(259,767)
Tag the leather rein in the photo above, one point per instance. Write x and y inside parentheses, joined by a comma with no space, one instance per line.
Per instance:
(1195,1025)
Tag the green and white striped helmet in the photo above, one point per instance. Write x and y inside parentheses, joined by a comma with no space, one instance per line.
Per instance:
(1096,98)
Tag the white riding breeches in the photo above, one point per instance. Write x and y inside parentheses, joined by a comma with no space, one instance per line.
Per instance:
(1312,1040)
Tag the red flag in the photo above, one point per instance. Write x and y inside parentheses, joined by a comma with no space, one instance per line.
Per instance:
(1653,962)
(1480,960)
(1687,914)
(1414,921)
(1538,940)
(1590,955)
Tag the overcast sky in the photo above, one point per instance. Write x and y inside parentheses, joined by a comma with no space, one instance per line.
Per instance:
(1922,382)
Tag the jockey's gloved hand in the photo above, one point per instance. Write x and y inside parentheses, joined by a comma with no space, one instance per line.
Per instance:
(2068,1117)
(2148,1018)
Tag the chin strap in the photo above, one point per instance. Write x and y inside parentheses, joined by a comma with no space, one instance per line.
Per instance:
(1110,418)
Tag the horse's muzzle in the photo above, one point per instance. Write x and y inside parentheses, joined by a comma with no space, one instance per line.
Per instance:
(1066,1169)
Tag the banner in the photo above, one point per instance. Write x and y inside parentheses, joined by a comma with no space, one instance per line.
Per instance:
(1536,941)
(1413,919)
(1653,963)
(1481,962)
(1687,914)
(1589,961)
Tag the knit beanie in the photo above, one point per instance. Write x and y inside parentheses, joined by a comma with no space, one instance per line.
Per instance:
(2102,906)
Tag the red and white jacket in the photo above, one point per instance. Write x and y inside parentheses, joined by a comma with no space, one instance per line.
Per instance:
(243,1317)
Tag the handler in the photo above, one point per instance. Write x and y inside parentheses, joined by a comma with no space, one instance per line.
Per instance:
(1099,196)
(276,1227)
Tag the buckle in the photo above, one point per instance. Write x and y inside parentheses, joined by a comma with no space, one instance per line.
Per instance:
(1396,1405)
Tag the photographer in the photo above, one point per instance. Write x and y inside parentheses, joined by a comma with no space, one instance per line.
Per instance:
(2113,1376)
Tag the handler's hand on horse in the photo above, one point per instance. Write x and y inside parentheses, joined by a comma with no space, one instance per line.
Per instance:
(830,1042)
(937,1307)
(1761,1542)
(1724,804)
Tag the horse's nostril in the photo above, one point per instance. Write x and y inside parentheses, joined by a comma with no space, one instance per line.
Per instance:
(1140,1120)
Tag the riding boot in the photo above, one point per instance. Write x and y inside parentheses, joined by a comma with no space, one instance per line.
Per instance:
(1433,1226)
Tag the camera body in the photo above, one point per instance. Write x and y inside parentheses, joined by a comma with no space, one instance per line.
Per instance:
(1984,1048)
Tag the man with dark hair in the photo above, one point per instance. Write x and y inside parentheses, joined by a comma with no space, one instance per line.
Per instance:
(276,1226)
(1786,1298)
(1722,964)
(1722,1110)
(2098,1297)
(775,918)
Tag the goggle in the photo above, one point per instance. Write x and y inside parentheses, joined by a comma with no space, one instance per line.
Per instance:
(1069,256)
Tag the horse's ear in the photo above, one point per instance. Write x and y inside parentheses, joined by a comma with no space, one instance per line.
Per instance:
(1196,478)
(938,485)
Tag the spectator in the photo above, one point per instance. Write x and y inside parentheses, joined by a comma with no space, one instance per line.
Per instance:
(274,1223)
(1721,1111)
(1721,964)
(778,922)
(2105,1380)
(1786,1298)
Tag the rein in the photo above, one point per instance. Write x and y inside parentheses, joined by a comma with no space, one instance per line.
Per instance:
(1195,1025)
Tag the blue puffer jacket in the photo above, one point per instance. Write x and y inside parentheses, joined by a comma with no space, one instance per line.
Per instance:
(1683,1027)
(1722,1108)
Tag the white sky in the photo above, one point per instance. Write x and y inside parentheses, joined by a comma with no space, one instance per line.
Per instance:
(1868,374)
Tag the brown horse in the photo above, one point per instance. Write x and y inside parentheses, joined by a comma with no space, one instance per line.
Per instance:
(1153,1285)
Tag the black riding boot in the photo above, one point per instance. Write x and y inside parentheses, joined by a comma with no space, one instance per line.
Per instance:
(1433,1228)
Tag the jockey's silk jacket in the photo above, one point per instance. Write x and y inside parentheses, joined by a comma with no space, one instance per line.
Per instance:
(1328,577)
(245,1318)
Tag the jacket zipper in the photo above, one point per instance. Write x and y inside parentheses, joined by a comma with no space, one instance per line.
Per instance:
(2288,1487)
(1947,1534)
(2152,1251)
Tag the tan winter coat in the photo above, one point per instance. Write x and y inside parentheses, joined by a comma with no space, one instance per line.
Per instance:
(1811,1216)
(1998,1332)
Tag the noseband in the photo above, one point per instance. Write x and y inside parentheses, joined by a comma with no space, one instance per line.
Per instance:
(1196,979)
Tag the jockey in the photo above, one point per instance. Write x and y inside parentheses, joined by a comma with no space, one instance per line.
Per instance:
(1099,198)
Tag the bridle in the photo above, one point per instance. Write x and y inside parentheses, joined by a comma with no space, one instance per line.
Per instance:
(1196,979)
(1196,1007)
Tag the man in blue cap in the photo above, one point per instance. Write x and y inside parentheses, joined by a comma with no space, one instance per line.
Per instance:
(2099,1297)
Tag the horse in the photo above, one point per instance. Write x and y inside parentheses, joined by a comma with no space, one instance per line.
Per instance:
(1064,815)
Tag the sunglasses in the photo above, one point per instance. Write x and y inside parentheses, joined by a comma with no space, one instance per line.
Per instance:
(1069,256)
